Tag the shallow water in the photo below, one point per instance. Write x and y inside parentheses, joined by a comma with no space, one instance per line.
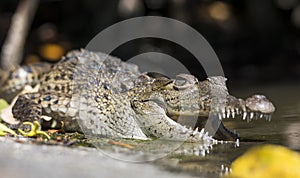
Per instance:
(283,129)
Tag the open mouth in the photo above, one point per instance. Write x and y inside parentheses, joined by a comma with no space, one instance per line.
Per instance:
(212,125)
(254,107)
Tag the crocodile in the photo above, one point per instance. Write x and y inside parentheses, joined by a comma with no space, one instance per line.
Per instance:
(102,96)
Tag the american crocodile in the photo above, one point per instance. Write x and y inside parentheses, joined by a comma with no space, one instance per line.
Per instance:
(103,96)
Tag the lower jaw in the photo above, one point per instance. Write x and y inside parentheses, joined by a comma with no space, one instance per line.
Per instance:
(214,127)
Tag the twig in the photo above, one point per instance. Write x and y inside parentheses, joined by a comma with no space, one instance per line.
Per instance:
(13,46)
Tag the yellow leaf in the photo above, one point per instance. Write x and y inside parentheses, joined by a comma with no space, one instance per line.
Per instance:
(267,161)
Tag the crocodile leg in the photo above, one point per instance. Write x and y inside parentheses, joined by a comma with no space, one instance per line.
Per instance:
(34,107)
(27,109)
(32,115)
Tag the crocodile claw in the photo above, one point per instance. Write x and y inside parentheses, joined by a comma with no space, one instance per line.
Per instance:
(35,130)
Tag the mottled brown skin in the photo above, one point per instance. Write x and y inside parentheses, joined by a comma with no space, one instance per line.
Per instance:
(12,82)
(81,89)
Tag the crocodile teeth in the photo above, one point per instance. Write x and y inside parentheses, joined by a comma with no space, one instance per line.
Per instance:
(256,116)
(261,115)
(244,115)
(228,113)
(202,131)
(195,131)
(233,113)
(268,117)
(251,115)
(237,142)
(206,134)
(223,112)
(220,116)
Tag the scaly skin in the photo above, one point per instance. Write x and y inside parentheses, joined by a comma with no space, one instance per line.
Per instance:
(12,82)
(187,98)
(111,98)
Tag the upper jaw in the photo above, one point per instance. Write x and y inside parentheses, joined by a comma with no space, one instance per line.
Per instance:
(256,106)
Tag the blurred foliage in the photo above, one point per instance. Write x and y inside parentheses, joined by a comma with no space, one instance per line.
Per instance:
(267,161)
(256,41)
(3,104)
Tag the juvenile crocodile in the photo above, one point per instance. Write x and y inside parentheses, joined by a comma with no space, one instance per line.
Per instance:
(103,96)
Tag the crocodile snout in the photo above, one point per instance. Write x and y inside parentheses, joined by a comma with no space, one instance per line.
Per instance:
(259,103)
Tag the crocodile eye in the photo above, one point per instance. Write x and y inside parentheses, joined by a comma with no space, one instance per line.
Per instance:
(181,83)
(184,81)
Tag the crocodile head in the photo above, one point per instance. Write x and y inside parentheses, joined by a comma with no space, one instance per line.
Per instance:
(185,97)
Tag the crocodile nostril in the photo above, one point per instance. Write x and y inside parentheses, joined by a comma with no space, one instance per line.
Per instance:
(259,103)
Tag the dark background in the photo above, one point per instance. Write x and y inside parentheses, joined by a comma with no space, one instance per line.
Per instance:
(257,41)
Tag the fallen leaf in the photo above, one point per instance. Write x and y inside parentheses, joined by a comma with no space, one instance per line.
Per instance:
(267,161)
(121,144)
